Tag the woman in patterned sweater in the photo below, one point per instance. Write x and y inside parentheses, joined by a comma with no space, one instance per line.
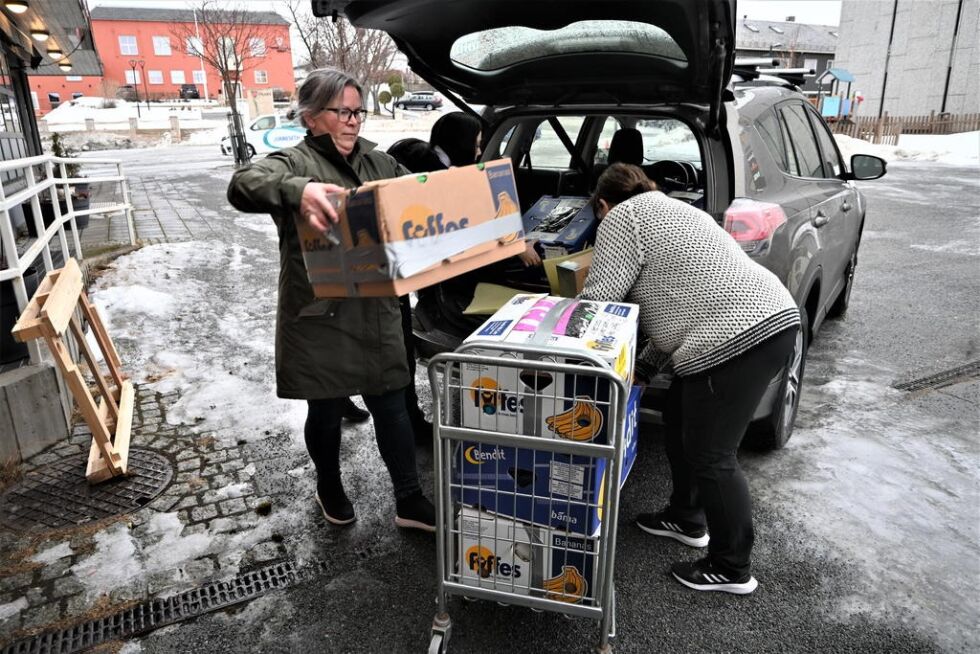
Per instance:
(727,326)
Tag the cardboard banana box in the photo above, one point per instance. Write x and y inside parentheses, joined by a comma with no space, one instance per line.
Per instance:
(548,489)
(504,554)
(400,235)
(505,398)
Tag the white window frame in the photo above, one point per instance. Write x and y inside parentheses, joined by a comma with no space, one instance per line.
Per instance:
(256,46)
(161,46)
(194,46)
(34,100)
(128,45)
(199,76)
(178,77)
(264,77)
(154,77)
(811,62)
(133,77)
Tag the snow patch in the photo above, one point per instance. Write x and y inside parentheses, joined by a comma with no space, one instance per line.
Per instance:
(112,565)
(52,554)
(969,248)
(12,609)
(955,149)
(199,317)
(233,490)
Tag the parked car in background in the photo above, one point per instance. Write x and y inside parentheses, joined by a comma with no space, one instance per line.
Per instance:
(127,92)
(268,133)
(189,92)
(557,90)
(427,100)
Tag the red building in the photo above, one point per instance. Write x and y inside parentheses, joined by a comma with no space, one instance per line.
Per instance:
(132,34)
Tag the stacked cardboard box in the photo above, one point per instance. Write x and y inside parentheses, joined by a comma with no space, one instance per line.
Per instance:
(531,518)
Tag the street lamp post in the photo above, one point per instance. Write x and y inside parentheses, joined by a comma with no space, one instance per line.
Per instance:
(133,63)
(145,84)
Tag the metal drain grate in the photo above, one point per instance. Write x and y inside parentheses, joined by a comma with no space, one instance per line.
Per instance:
(941,379)
(155,613)
(58,495)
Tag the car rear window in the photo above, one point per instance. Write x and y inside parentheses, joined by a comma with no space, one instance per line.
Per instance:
(505,46)
(547,150)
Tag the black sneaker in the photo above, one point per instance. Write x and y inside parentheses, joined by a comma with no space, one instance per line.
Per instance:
(415,512)
(701,575)
(336,508)
(664,524)
(354,413)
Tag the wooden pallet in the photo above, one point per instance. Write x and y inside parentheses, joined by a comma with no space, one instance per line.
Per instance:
(49,315)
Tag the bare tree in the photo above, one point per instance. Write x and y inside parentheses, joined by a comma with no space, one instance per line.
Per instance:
(365,55)
(229,40)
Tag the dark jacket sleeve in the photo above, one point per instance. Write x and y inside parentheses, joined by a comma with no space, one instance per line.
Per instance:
(270,185)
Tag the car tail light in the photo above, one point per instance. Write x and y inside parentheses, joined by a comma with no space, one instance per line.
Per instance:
(753,223)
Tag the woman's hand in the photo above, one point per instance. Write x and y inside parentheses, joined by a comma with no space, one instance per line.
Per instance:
(529,257)
(316,206)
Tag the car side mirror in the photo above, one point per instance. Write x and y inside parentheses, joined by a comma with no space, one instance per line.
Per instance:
(866,166)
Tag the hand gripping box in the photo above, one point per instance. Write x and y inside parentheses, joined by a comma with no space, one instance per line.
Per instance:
(505,398)
(544,488)
(506,555)
(400,235)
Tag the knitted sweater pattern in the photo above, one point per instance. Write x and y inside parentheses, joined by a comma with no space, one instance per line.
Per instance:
(702,300)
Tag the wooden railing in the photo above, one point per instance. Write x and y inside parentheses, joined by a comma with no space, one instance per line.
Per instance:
(887,129)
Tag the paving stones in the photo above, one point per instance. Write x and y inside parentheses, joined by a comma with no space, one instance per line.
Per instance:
(211,491)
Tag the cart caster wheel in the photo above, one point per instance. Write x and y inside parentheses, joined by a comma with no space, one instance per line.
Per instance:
(436,645)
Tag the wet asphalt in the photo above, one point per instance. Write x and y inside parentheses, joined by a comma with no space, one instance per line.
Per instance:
(867,524)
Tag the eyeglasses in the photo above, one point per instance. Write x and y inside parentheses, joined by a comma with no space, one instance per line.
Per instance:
(345,114)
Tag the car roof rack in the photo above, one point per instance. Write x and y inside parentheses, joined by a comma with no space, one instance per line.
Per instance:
(764,71)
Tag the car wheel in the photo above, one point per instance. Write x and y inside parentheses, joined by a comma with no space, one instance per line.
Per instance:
(251,149)
(400,106)
(839,308)
(772,432)
(428,107)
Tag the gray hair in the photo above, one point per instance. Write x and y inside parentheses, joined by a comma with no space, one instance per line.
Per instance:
(319,88)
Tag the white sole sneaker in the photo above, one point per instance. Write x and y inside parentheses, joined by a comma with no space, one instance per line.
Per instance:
(414,524)
(701,541)
(736,589)
(329,518)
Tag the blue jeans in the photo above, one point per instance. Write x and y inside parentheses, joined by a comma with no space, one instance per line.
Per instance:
(392,431)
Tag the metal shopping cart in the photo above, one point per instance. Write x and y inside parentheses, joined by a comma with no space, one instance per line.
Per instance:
(529,456)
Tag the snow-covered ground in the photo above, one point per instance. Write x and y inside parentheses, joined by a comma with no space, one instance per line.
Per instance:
(199,317)
(955,149)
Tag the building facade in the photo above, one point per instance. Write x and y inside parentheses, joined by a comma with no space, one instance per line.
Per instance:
(24,58)
(910,57)
(795,45)
(144,55)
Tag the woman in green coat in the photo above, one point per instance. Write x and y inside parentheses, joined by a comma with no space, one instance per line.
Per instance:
(328,350)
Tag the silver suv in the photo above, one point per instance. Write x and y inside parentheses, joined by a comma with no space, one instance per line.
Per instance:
(566,92)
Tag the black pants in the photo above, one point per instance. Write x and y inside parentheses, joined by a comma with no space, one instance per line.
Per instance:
(705,419)
(392,430)
(411,395)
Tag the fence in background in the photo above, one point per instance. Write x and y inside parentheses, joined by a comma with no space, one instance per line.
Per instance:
(887,129)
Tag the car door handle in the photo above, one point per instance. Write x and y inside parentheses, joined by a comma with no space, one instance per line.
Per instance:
(820,219)
(845,207)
